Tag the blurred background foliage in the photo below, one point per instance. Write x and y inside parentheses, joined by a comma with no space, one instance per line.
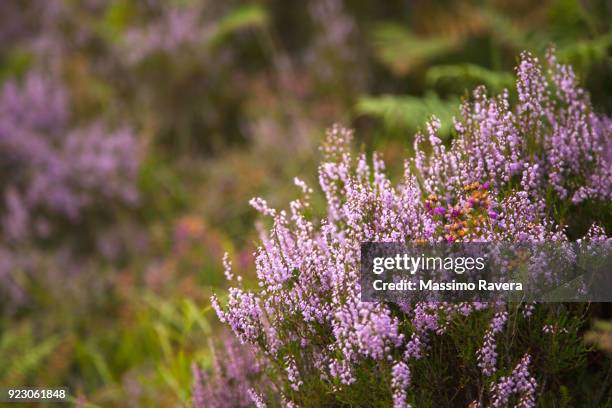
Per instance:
(105,291)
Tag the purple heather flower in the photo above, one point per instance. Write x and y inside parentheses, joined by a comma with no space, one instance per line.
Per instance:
(439,211)
(519,383)
(487,355)
(199,393)
(256,399)
(292,374)
(400,380)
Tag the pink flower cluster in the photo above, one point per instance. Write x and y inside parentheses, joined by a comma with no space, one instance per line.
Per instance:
(490,185)
(399,383)
(549,140)
(519,383)
(487,355)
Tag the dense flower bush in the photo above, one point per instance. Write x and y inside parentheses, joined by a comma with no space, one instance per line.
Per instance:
(52,170)
(56,177)
(510,174)
(235,370)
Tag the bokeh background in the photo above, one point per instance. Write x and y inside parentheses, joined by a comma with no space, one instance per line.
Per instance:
(134,133)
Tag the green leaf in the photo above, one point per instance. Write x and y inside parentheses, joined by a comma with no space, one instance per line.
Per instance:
(15,63)
(467,76)
(29,358)
(506,31)
(585,53)
(245,17)
(409,112)
(402,51)
(116,18)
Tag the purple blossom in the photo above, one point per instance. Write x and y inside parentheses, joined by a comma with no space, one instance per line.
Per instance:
(293,374)
(439,211)
(519,383)
(199,392)
(400,380)
(487,354)
(256,399)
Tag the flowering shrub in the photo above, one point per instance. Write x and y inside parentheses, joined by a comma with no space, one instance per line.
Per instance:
(235,370)
(52,170)
(56,178)
(506,177)
(551,140)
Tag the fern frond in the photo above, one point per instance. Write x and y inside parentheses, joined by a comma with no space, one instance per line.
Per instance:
(409,112)
(586,53)
(402,51)
(242,18)
(467,76)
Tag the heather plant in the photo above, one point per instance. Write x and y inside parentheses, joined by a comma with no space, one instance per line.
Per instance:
(57,178)
(235,369)
(227,99)
(511,173)
(54,171)
(552,146)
